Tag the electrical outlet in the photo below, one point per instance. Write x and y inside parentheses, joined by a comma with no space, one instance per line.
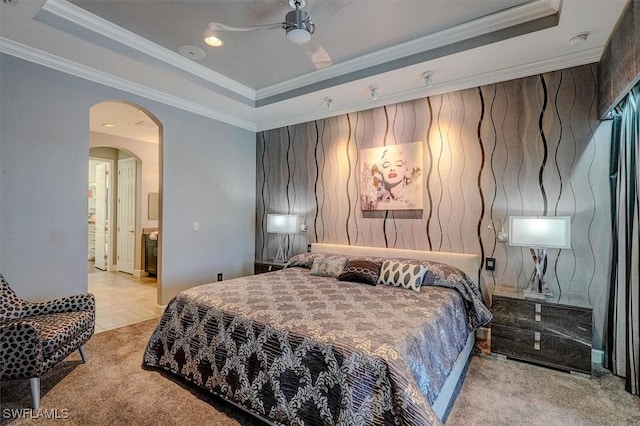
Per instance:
(490,264)
(196,226)
(309,247)
(220,277)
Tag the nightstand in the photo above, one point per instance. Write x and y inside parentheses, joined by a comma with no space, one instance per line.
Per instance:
(555,332)
(262,266)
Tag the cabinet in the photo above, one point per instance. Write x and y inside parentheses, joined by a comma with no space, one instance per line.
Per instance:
(555,332)
(92,240)
(262,266)
(150,255)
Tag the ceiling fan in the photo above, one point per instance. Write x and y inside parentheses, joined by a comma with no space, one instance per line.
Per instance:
(298,24)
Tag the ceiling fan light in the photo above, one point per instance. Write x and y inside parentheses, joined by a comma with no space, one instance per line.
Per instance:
(298,36)
(300,26)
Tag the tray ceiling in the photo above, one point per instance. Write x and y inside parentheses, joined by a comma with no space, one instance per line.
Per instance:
(259,80)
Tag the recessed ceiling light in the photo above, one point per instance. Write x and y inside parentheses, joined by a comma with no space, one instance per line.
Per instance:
(109,125)
(579,38)
(191,52)
(213,41)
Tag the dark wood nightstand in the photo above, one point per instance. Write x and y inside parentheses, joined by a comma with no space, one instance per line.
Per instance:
(555,332)
(262,266)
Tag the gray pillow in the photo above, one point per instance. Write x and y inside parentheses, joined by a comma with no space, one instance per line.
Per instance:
(304,260)
(328,266)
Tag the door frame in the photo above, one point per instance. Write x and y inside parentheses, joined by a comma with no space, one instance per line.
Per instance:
(110,209)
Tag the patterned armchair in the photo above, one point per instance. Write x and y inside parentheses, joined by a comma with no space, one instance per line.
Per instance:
(34,337)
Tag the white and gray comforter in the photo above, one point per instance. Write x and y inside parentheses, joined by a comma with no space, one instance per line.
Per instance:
(301,349)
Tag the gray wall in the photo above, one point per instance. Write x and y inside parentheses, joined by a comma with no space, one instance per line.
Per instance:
(208,176)
(532,146)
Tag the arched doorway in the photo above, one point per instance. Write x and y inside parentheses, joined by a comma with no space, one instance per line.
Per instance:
(125,148)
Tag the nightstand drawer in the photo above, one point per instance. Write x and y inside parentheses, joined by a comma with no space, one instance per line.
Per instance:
(541,348)
(557,320)
(263,267)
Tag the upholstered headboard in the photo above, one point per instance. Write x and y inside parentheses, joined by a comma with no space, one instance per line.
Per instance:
(467,263)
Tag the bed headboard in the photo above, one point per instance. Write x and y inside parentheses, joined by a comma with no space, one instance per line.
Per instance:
(467,263)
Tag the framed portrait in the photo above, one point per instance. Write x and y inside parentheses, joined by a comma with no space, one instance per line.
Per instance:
(391,177)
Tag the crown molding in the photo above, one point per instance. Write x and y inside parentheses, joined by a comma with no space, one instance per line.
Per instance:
(583,57)
(504,19)
(478,27)
(40,57)
(51,61)
(91,22)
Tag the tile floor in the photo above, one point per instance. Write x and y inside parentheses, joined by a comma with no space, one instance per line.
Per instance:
(122,299)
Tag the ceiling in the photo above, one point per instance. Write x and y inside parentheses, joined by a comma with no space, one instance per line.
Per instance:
(346,29)
(122,119)
(259,80)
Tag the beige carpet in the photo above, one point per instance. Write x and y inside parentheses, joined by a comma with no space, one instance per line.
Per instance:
(112,389)
(505,392)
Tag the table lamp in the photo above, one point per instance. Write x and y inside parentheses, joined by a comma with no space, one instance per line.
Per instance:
(282,224)
(539,233)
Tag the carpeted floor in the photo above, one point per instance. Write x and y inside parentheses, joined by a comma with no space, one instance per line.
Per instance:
(112,389)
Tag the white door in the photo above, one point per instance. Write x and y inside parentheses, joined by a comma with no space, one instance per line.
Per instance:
(101,216)
(126,214)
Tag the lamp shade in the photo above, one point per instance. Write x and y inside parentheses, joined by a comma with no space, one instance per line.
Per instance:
(283,224)
(540,231)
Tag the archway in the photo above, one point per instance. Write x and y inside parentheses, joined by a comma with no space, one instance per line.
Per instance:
(129,138)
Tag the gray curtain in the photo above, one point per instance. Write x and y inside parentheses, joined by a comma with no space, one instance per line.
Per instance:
(623,314)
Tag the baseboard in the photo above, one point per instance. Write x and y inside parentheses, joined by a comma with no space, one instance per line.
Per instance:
(138,273)
(483,333)
(597,356)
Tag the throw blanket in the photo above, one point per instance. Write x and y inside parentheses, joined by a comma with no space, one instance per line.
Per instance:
(300,349)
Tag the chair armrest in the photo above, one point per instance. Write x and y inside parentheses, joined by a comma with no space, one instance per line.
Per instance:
(79,302)
(21,352)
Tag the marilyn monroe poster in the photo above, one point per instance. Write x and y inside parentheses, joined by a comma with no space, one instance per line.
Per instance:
(390,177)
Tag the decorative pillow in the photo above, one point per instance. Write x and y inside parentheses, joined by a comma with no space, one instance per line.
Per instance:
(374,259)
(328,266)
(402,274)
(304,260)
(361,270)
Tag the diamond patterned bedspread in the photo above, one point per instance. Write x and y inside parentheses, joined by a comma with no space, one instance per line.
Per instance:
(300,349)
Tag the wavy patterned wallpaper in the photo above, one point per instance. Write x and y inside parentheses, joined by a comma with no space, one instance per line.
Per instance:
(531,146)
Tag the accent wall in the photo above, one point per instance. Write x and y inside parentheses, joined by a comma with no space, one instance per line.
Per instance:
(531,146)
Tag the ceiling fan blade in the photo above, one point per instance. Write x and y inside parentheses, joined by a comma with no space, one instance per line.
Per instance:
(216,26)
(323,10)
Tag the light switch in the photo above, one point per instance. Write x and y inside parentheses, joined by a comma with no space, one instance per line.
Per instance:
(196,226)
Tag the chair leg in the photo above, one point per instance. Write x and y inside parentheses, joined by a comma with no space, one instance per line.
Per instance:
(34,382)
(83,354)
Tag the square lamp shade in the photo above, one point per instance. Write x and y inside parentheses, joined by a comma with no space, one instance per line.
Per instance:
(283,224)
(539,233)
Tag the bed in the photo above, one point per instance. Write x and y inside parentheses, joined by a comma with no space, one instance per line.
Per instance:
(296,347)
